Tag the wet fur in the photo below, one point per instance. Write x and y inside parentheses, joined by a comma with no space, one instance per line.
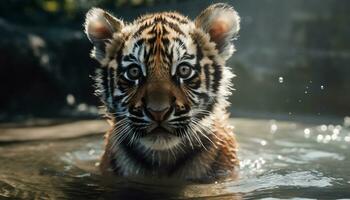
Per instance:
(210,153)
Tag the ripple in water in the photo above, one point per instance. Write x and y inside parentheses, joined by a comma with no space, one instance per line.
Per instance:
(278,160)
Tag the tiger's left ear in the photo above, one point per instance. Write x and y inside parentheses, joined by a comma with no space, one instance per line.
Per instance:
(222,23)
(99,28)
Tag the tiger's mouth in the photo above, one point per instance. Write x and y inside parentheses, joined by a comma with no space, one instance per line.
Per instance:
(159,130)
(160,139)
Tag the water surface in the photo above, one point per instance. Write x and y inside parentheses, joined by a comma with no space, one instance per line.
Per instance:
(278,160)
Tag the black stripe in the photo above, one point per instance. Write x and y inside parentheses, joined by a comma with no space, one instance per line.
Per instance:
(141,29)
(146,56)
(217,77)
(171,25)
(201,95)
(137,120)
(111,81)
(165,32)
(123,86)
(129,58)
(180,20)
(104,83)
(119,61)
(207,76)
(181,43)
(193,84)
(188,56)
(118,97)
(151,41)
(209,107)
(145,18)
(199,51)
(165,42)
(111,88)
(160,19)
(179,119)
(138,44)
(176,28)
(192,100)
(115,105)
(170,55)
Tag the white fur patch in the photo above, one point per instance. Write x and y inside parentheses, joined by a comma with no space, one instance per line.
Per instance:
(160,142)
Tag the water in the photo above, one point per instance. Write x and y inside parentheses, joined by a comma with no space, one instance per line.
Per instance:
(278,160)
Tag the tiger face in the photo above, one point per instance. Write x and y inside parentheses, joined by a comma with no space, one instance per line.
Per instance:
(163,77)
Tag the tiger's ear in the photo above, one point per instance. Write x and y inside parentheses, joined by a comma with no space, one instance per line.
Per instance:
(222,23)
(99,28)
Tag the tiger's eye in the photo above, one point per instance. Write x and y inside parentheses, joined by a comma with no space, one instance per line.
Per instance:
(184,71)
(134,72)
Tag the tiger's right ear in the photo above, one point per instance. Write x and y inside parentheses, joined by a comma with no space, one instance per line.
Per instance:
(99,28)
(222,23)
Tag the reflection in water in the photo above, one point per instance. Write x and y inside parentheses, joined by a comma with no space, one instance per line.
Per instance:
(278,160)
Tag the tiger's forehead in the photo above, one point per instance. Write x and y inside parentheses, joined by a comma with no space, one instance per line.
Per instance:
(159,41)
(173,17)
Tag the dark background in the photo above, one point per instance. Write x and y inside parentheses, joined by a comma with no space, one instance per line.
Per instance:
(45,69)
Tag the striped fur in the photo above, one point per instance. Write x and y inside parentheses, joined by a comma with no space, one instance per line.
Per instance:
(165,72)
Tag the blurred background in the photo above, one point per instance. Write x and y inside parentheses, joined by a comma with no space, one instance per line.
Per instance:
(292,57)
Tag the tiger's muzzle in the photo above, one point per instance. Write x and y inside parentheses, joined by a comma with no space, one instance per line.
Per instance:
(160,100)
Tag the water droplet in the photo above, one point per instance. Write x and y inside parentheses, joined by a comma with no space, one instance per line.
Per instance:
(273,128)
(323,127)
(262,160)
(290,113)
(330,127)
(299,100)
(305,92)
(67,168)
(83,175)
(91,152)
(307,133)
(70,99)
(263,142)
(327,138)
(347,138)
(280,79)
(310,81)
(319,138)
(346,121)
(322,87)
(335,136)
(336,131)
(257,165)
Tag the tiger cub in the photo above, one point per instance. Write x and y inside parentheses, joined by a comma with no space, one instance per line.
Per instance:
(164,83)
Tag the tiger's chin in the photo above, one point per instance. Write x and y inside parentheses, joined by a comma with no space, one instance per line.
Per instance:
(159,139)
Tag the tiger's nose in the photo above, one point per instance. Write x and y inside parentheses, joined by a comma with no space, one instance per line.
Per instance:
(158,115)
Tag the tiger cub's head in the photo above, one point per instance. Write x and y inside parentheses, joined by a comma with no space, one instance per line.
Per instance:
(163,77)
